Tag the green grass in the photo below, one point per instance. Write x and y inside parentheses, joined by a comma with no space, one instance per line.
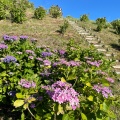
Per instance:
(45,31)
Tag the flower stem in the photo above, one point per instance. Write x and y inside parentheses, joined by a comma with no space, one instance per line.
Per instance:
(31,112)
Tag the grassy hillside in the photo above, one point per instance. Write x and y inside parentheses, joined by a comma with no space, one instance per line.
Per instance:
(45,31)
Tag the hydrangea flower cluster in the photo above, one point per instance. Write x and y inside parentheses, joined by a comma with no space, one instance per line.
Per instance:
(47,62)
(32,105)
(62,92)
(10,38)
(27,84)
(31,57)
(110,79)
(104,90)
(33,40)
(12,93)
(46,54)
(95,63)
(23,37)
(19,52)
(3,46)
(30,52)
(61,52)
(45,73)
(9,59)
(64,62)
(101,72)
(39,59)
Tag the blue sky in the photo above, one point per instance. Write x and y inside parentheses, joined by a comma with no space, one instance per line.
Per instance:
(75,8)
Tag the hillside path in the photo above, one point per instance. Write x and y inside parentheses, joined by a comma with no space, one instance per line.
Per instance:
(97,43)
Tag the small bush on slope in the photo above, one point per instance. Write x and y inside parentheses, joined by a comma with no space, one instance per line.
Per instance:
(101,23)
(84,18)
(116,25)
(40,13)
(55,11)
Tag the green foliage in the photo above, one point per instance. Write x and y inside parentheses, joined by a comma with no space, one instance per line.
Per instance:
(64,27)
(40,13)
(55,11)
(101,23)
(15,9)
(116,25)
(81,68)
(17,15)
(2,13)
(84,18)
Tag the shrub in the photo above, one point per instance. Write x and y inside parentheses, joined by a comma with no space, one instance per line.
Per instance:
(116,25)
(64,27)
(43,84)
(101,23)
(17,15)
(84,18)
(2,13)
(40,13)
(55,11)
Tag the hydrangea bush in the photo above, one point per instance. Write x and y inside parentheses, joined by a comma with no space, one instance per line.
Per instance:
(47,84)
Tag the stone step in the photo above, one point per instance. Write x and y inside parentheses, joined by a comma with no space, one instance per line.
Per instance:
(98,45)
(90,38)
(83,33)
(116,66)
(117,61)
(108,55)
(93,42)
(118,72)
(101,50)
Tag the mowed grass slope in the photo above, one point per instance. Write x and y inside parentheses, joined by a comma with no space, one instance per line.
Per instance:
(45,31)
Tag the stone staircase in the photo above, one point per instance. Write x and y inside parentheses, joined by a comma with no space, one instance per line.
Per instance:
(97,43)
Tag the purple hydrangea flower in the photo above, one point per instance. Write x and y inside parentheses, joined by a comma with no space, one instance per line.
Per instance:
(46,54)
(31,57)
(33,40)
(69,63)
(101,72)
(9,59)
(104,90)
(3,46)
(74,63)
(47,62)
(30,52)
(95,63)
(55,64)
(14,38)
(62,92)
(23,38)
(45,73)
(19,52)
(39,59)
(6,37)
(61,52)
(64,62)
(27,84)
(110,79)
(12,93)
(10,38)
(32,105)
